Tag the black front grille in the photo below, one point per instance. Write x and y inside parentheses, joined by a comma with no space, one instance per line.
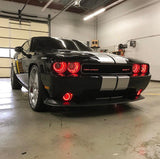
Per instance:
(107,69)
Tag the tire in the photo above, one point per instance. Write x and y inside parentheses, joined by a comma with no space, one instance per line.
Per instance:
(36,91)
(14,80)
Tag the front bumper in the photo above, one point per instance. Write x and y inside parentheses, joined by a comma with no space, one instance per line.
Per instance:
(85,86)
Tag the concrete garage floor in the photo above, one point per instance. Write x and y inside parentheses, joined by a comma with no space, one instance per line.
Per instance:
(130,131)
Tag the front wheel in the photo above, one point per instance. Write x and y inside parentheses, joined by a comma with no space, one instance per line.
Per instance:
(36,92)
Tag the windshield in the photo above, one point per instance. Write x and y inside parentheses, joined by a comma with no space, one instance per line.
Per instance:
(69,45)
(81,46)
(50,44)
(46,44)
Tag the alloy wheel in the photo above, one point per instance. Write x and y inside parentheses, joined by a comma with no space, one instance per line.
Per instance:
(33,88)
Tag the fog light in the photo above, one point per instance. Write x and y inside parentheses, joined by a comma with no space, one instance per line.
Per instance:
(139,92)
(68,97)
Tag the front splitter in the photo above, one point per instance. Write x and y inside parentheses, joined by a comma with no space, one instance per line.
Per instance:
(97,102)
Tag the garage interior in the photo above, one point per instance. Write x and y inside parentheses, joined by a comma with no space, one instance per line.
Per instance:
(121,131)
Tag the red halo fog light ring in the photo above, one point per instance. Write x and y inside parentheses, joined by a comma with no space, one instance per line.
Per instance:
(136,68)
(68,97)
(60,67)
(74,67)
(144,68)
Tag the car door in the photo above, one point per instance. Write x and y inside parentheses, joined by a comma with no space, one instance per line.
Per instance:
(17,65)
(25,62)
(20,64)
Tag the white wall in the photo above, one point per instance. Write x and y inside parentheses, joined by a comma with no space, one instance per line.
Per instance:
(131,20)
(68,25)
(72,26)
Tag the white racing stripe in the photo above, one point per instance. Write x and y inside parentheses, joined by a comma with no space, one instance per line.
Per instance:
(108,83)
(109,58)
(123,82)
(118,59)
(102,57)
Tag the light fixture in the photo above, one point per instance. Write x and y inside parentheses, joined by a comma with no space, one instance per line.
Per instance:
(77,3)
(44,8)
(94,14)
(102,10)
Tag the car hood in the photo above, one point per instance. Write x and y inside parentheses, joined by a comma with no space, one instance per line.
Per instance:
(108,57)
(88,55)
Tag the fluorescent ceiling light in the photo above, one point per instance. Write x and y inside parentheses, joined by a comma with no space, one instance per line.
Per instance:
(44,8)
(102,10)
(115,3)
(94,14)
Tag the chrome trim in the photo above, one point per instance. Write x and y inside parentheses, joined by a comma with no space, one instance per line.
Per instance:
(43,58)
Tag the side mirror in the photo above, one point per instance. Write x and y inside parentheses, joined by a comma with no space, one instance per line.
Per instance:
(19,49)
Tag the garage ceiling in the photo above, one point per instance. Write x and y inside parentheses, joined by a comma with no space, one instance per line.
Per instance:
(86,6)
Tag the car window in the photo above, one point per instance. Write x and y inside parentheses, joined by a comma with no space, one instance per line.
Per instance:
(49,44)
(26,47)
(81,46)
(46,44)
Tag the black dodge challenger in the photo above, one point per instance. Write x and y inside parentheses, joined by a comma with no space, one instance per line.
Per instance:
(62,72)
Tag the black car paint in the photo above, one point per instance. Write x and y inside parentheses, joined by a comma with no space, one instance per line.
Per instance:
(84,87)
